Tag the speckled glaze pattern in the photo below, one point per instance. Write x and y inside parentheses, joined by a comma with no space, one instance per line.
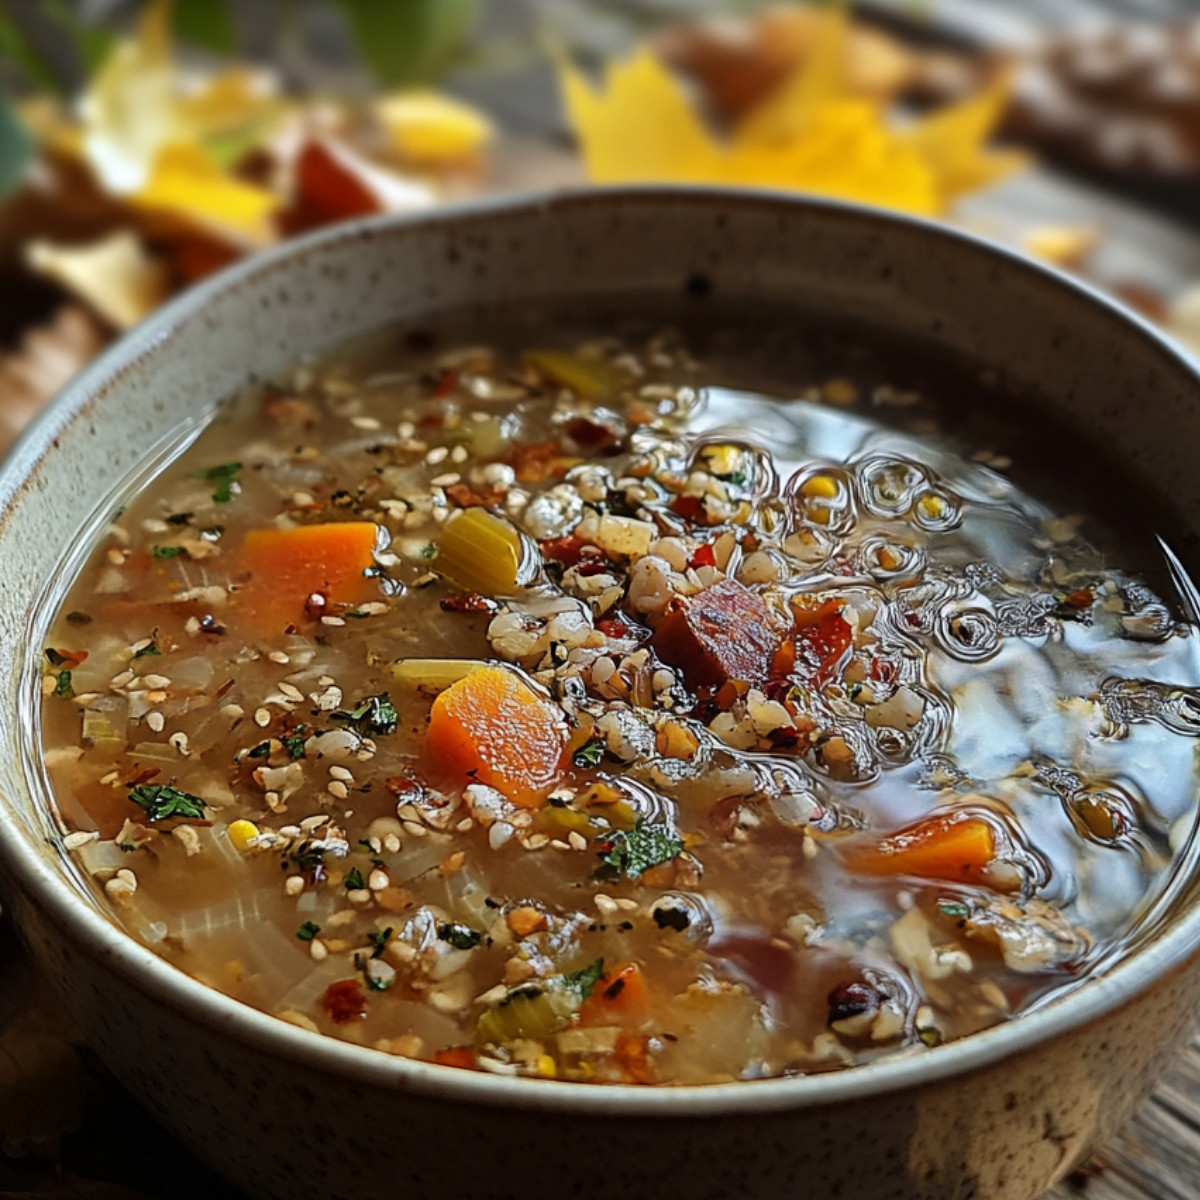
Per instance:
(999,1116)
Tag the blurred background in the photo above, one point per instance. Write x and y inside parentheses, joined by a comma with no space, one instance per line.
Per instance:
(146,145)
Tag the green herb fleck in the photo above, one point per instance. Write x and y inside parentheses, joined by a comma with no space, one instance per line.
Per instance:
(589,755)
(429,551)
(955,909)
(166,551)
(584,981)
(632,853)
(162,802)
(262,750)
(293,742)
(310,859)
(461,937)
(375,714)
(149,650)
(355,881)
(737,478)
(379,939)
(308,931)
(223,477)
(63,688)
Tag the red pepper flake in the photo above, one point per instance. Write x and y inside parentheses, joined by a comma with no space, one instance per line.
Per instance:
(1081,598)
(444,386)
(615,627)
(565,550)
(403,785)
(344,1001)
(462,1057)
(535,462)
(483,496)
(593,436)
(592,567)
(690,508)
(468,602)
(705,556)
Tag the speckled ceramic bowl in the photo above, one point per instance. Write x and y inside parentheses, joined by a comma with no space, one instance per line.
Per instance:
(286,1113)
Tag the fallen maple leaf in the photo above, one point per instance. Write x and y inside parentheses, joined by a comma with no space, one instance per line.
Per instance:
(114,275)
(811,133)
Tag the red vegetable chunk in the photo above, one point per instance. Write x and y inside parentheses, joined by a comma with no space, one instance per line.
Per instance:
(726,632)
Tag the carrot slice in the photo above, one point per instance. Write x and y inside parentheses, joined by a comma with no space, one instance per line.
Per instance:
(288,566)
(491,726)
(619,994)
(954,846)
(462,1057)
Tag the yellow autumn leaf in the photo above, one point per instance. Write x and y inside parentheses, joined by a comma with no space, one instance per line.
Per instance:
(642,128)
(811,133)
(128,112)
(954,141)
(431,128)
(114,275)
(186,182)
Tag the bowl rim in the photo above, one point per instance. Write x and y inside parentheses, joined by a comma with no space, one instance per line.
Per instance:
(93,934)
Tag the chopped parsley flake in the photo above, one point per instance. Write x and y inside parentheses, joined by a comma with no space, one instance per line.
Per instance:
(375,714)
(166,551)
(223,477)
(63,687)
(954,909)
(589,755)
(293,742)
(308,931)
(262,750)
(429,551)
(632,853)
(584,981)
(737,478)
(461,937)
(379,939)
(148,650)
(355,881)
(162,802)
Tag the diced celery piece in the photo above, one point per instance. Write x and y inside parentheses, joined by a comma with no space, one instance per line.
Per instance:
(524,1014)
(589,378)
(481,553)
(433,675)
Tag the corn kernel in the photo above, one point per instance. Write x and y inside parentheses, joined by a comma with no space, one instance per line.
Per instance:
(932,507)
(240,833)
(546,1066)
(823,486)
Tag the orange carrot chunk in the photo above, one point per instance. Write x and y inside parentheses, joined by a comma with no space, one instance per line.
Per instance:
(955,846)
(492,727)
(294,575)
(619,994)
(462,1057)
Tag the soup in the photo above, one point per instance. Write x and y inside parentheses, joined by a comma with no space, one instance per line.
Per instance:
(576,710)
